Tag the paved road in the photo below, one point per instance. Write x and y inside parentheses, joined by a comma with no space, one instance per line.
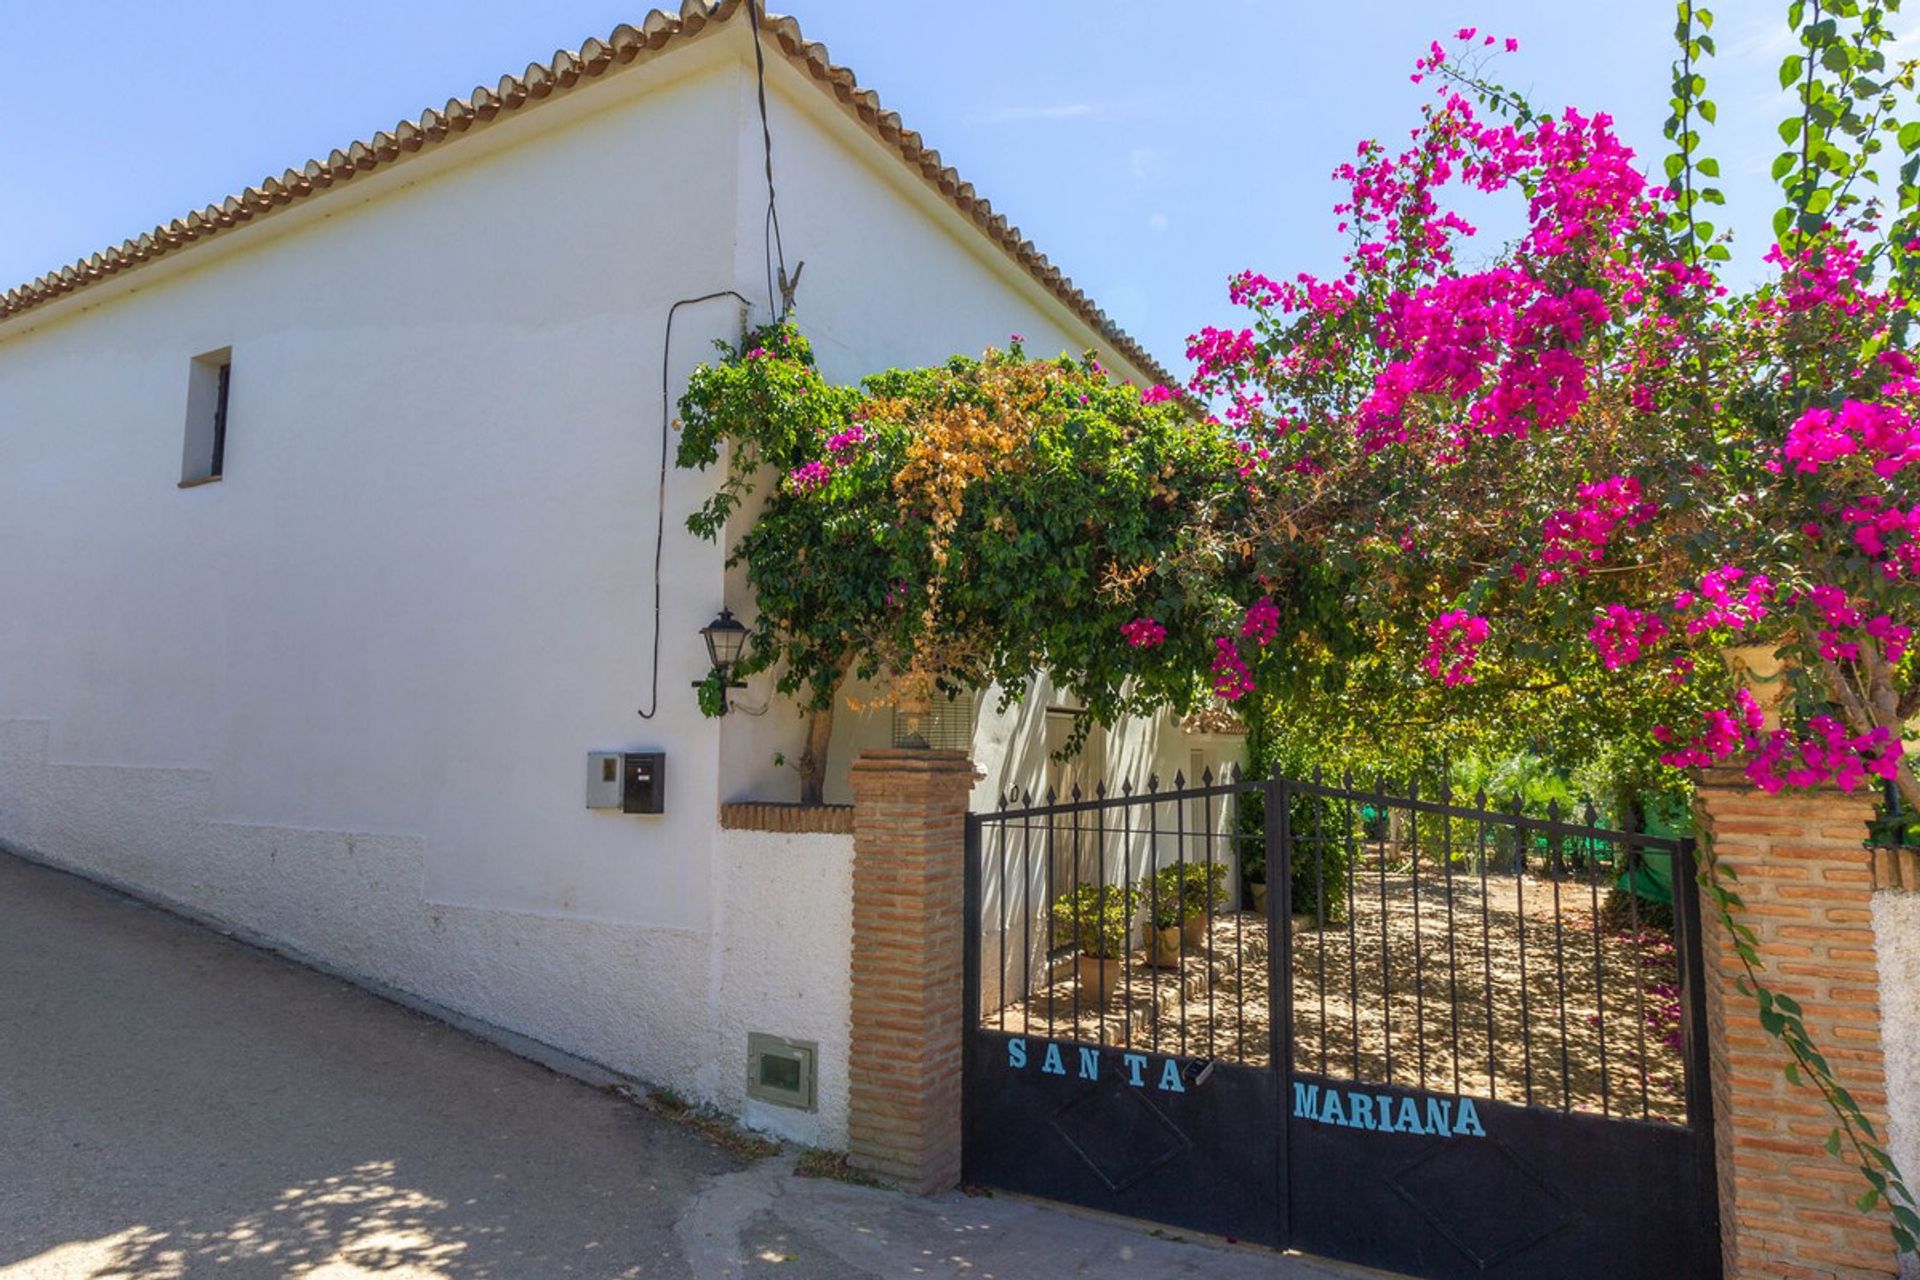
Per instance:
(176,1104)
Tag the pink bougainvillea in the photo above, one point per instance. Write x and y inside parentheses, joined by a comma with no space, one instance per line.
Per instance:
(1581,422)
(1778,757)
(1882,434)
(1453,646)
(1143,633)
(1579,536)
(843,444)
(1725,601)
(1623,634)
(809,477)
(1262,622)
(1232,680)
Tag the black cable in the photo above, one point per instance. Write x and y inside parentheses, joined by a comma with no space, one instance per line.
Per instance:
(666,429)
(777,302)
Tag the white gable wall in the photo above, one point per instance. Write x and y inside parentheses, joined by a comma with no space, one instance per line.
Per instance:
(342,699)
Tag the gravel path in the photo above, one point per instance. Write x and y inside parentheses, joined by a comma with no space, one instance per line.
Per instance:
(1528,997)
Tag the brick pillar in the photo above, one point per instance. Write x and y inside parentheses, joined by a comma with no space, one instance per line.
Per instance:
(909,855)
(1807,881)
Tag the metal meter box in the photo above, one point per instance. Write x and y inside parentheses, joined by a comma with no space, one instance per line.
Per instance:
(603,780)
(630,781)
(645,778)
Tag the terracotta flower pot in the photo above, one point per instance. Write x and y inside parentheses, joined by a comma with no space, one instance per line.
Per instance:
(1165,947)
(1098,976)
(1760,670)
(1195,929)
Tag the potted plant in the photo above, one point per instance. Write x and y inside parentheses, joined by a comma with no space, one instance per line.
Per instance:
(1253,870)
(1184,895)
(1166,913)
(1098,918)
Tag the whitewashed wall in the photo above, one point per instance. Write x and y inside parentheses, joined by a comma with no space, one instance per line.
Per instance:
(784,949)
(343,697)
(1896,926)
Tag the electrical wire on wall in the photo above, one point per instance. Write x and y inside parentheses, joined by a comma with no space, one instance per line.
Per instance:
(780,291)
(660,513)
(781,302)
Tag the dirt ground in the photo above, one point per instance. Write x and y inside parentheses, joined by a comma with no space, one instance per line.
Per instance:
(1528,997)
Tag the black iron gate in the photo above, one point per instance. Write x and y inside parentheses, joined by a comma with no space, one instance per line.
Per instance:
(1471,1053)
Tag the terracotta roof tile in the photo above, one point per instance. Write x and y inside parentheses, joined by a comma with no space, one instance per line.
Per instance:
(567,72)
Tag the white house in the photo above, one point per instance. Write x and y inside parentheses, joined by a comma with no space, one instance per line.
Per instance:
(327,524)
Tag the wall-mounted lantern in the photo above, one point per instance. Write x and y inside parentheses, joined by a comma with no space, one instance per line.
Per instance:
(726,639)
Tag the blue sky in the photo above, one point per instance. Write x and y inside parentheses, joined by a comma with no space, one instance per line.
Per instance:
(1150,149)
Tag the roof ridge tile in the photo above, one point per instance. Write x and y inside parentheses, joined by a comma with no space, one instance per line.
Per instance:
(566,70)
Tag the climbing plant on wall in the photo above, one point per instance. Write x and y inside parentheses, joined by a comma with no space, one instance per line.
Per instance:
(980,521)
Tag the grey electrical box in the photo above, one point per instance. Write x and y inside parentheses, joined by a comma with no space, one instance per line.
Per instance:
(630,781)
(780,1070)
(644,775)
(604,783)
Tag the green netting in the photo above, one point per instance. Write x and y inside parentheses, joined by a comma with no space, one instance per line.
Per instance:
(1652,880)
(1669,820)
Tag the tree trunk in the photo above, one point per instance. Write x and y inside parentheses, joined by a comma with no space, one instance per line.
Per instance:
(1871,701)
(813,761)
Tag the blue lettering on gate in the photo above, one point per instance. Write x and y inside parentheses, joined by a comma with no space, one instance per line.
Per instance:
(1136,1067)
(1353,1109)
(1350,1108)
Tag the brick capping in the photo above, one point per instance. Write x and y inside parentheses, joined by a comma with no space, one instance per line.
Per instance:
(768,815)
(1897,870)
(909,864)
(1784,1202)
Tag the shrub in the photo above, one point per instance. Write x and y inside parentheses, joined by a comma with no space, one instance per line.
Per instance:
(1180,892)
(1098,917)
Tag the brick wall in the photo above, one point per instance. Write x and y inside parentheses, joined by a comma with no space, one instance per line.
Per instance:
(1808,882)
(909,849)
(762,815)
(1897,869)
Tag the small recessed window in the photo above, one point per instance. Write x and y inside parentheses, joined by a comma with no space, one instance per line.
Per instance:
(204,458)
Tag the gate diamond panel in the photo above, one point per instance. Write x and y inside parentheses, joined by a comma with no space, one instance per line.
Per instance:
(1452,1186)
(1120,1135)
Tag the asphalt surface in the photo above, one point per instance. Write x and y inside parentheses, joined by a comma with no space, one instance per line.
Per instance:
(176,1104)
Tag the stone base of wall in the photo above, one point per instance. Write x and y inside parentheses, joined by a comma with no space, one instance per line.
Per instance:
(669,1006)
(1896,926)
